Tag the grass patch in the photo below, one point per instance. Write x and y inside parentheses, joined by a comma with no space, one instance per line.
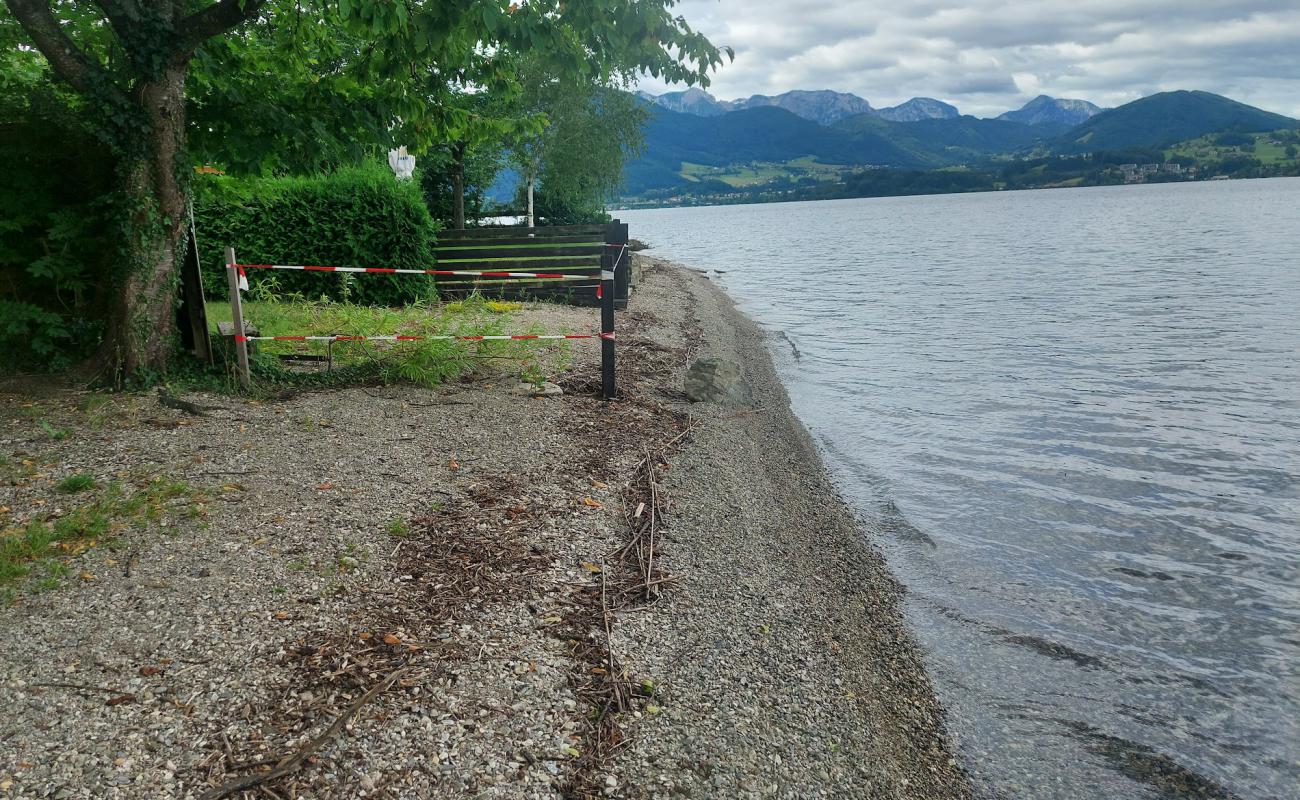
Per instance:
(41,549)
(757,172)
(423,362)
(1268,148)
(75,483)
(57,434)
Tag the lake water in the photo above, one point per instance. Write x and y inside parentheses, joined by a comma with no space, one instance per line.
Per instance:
(1073,419)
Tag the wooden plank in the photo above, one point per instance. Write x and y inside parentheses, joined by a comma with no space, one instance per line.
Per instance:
(507,252)
(557,264)
(522,249)
(524,230)
(195,334)
(586,261)
(540,241)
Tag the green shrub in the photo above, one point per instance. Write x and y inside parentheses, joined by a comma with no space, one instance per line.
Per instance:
(57,245)
(355,217)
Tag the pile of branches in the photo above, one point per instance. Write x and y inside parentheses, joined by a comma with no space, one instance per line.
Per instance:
(450,563)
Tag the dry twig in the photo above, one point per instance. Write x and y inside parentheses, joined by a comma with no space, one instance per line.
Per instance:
(294,761)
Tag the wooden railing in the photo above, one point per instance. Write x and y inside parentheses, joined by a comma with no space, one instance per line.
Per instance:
(581,251)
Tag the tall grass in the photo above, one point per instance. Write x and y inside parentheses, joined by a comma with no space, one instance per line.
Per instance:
(423,362)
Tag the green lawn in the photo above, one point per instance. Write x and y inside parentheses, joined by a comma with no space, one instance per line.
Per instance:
(1266,150)
(757,172)
(426,362)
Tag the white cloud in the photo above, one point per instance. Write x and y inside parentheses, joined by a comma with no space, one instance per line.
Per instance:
(987,56)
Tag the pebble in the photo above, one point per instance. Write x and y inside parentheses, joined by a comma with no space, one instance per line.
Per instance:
(203,600)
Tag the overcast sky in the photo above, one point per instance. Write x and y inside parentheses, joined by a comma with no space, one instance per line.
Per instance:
(988,56)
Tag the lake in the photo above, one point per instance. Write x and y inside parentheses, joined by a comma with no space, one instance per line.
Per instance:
(1071,419)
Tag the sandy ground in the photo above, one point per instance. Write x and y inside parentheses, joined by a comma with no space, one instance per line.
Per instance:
(398,592)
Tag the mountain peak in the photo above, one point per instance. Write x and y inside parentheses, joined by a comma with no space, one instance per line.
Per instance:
(919,108)
(692,101)
(822,106)
(1167,117)
(1046,110)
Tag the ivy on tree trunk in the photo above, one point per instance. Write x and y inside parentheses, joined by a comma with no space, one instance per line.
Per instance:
(139,110)
(141,329)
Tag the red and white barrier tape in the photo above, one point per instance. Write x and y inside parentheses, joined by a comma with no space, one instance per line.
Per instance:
(394,338)
(394,270)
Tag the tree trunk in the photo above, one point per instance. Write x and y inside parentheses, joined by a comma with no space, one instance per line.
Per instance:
(141,335)
(530,200)
(458,186)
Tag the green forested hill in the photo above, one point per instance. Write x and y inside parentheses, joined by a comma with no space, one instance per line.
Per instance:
(776,135)
(767,140)
(1165,118)
(943,142)
(738,137)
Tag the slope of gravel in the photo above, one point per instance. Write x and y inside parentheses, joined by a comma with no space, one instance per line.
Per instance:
(445,545)
(782,665)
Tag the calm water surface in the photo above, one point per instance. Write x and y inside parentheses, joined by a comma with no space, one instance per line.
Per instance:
(1072,417)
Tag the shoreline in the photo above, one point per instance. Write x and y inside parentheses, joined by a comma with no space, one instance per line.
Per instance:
(749,201)
(791,608)
(447,556)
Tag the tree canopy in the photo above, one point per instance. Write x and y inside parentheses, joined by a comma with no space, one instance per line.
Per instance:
(272,85)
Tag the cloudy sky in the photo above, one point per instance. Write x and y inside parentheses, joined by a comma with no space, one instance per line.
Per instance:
(987,56)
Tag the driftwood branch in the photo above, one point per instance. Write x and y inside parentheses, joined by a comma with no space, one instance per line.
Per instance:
(295,760)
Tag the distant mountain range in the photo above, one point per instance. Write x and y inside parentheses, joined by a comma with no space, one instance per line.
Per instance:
(694,129)
(826,107)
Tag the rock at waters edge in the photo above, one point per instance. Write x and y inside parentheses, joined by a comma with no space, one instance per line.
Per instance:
(717,380)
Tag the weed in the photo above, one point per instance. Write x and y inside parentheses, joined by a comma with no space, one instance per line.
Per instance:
(75,483)
(97,410)
(94,402)
(46,541)
(398,528)
(57,434)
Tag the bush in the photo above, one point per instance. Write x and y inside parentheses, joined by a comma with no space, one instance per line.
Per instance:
(57,239)
(356,217)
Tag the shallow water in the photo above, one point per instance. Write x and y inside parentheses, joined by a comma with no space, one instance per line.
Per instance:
(1073,419)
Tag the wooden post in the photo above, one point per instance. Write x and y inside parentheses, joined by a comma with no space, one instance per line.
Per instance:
(607,384)
(194,316)
(616,240)
(237,316)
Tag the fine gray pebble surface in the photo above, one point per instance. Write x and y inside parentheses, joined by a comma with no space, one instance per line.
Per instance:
(320,543)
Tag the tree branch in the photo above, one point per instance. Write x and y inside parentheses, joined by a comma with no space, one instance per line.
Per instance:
(67,61)
(119,16)
(217,18)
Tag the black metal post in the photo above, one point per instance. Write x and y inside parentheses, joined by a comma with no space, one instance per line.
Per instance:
(608,388)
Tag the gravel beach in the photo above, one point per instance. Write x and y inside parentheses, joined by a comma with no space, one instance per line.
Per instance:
(395,592)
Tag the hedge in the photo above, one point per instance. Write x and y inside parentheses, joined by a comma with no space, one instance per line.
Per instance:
(356,217)
(57,237)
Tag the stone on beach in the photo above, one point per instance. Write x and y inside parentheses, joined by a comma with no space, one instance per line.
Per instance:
(717,380)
